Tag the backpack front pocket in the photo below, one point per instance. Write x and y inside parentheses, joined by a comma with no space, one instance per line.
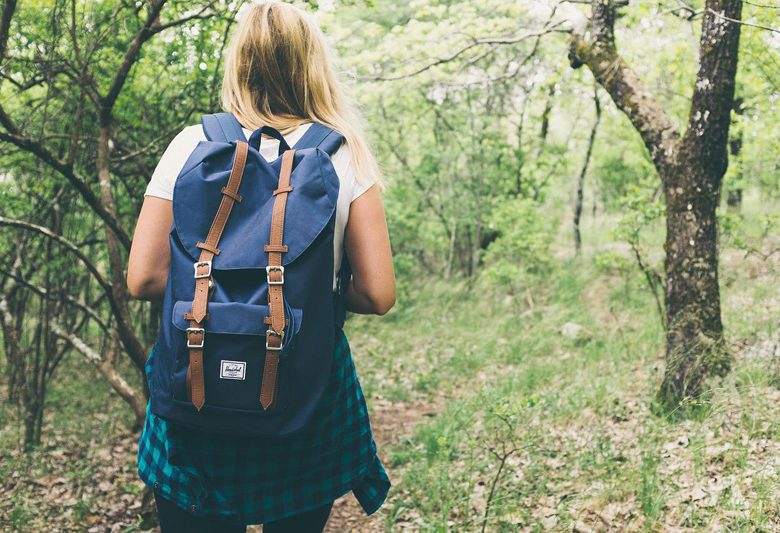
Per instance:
(234,354)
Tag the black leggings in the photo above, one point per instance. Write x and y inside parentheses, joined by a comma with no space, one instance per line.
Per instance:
(175,520)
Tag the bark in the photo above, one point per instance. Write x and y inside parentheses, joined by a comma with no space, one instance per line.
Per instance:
(691,169)
(695,346)
(116,263)
(134,398)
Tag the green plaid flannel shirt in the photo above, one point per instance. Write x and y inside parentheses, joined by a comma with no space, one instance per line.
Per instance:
(256,480)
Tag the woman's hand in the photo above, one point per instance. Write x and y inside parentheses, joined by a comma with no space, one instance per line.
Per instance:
(372,289)
(150,255)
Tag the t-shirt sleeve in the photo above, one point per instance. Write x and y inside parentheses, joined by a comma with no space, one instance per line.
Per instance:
(172,161)
(342,162)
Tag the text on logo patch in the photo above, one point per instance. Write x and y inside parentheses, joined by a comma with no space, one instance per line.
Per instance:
(232,369)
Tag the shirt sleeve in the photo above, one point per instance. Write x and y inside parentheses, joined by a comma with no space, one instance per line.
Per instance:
(342,162)
(172,161)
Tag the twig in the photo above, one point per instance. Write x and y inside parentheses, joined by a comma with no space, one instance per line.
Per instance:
(742,22)
(474,43)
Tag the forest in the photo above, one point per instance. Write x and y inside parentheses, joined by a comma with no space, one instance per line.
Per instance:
(584,208)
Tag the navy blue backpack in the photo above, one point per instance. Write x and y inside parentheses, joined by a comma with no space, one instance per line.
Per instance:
(249,314)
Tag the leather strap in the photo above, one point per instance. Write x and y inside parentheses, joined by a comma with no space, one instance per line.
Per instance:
(196,333)
(274,337)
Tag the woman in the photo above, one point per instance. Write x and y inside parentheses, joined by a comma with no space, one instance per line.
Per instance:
(278,73)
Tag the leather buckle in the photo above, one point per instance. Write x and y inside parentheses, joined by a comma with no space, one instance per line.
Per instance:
(200,264)
(202,338)
(270,332)
(274,268)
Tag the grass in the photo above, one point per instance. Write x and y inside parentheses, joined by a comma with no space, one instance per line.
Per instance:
(534,430)
(588,452)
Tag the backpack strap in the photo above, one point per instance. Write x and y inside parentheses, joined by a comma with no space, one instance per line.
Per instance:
(222,127)
(274,335)
(196,334)
(322,137)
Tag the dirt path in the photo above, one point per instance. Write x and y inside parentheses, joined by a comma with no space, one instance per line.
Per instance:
(390,422)
(52,494)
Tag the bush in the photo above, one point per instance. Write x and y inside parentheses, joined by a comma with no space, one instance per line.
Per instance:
(521,253)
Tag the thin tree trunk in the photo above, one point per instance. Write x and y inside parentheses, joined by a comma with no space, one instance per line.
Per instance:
(583,172)
(116,263)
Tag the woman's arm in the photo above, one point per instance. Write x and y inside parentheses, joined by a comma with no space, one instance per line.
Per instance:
(150,255)
(372,289)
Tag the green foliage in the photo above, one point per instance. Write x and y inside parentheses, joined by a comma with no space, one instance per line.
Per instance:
(621,171)
(521,253)
(643,210)
(480,150)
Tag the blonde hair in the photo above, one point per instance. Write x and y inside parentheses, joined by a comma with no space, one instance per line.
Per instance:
(278,72)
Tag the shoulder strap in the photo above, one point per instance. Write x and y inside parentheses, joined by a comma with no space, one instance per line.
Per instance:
(222,127)
(274,335)
(196,333)
(322,137)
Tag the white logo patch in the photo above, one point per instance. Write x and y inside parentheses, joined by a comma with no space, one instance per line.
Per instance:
(232,369)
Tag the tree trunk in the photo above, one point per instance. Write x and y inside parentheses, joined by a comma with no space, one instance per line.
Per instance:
(695,347)
(691,169)
(579,199)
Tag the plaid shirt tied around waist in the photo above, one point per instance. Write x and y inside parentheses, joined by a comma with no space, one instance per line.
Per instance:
(251,480)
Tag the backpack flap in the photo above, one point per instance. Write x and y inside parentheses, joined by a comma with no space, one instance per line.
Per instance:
(197,194)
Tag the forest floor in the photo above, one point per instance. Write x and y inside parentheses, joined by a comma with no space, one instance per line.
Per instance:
(529,410)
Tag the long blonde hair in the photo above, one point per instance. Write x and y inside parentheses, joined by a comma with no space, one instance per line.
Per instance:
(278,72)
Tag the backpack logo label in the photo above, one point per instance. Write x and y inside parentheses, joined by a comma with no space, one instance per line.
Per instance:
(232,370)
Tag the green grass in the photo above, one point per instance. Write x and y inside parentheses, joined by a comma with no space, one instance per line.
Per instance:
(533,430)
(589,451)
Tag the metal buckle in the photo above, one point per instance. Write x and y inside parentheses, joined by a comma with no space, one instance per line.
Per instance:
(202,263)
(274,268)
(202,339)
(268,332)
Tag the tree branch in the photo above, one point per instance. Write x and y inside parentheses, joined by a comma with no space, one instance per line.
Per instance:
(195,16)
(44,293)
(14,136)
(131,56)
(62,241)
(742,22)
(106,367)
(9,6)
(127,335)
(627,90)
(474,43)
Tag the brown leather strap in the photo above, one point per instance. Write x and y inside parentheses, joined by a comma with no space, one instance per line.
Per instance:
(196,333)
(203,246)
(275,334)
(280,190)
(274,248)
(235,196)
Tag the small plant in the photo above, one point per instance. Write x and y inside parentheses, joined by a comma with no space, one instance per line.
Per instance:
(651,495)
(503,441)
(645,210)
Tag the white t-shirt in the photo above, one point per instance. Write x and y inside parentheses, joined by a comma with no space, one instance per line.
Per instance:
(180,148)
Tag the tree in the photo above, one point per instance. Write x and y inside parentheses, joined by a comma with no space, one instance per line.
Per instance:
(84,110)
(691,166)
